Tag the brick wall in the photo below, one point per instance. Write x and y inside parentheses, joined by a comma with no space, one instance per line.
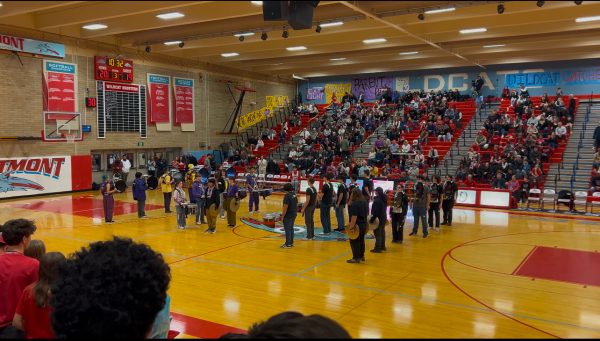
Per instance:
(21,106)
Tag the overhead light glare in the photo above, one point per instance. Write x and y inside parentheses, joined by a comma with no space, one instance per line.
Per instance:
(473,30)
(230,54)
(169,43)
(296,48)
(373,41)
(257,3)
(331,24)
(337,59)
(172,15)
(492,46)
(441,10)
(95,27)
(298,77)
(408,53)
(244,34)
(587,19)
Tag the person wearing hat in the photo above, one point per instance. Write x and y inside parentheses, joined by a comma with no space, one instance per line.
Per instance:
(379,212)
(198,194)
(231,195)
(139,194)
(399,208)
(212,202)
(288,214)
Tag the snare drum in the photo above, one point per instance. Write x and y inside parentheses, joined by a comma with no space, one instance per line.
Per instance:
(152,182)
(121,186)
(269,219)
(191,208)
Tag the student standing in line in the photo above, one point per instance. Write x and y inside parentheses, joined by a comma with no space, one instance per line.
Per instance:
(179,198)
(326,203)
(108,202)
(450,195)
(139,194)
(166,182)
(435,194)
(232,194)
(358,211)
(198,193)
(213,197)
(308,209)
(288,214)
(379,211)
(399,209)
(340,203)
(420,204)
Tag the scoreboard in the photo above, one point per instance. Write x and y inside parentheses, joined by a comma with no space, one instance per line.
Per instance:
(113,69)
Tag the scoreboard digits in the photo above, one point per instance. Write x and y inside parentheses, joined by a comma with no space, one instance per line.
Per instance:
(112,69)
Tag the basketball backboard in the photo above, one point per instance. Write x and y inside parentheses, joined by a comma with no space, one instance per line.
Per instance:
(62,127)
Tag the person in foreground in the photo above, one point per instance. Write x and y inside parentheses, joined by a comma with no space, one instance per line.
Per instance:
(294,325)
(94,298)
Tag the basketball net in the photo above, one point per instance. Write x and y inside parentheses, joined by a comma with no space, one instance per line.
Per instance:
(70,137)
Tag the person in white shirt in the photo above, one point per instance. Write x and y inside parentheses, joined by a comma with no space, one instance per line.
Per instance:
(126,167)
(561,130)
(406,147)
(259,144)
(292,153)
(262,166)
(305,133)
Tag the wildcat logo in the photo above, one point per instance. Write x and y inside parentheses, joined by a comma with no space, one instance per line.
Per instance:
(46,166)
(10,183)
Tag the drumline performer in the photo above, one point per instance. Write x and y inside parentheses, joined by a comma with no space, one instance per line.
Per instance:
(165,185)
(139,194)
(222,186)
(180,203)
(252,186)
(108,202)
(190,177)
(308,209)
(450,193)
(212,202)
(399,209)
(232,194)
(288,214)
(199,196)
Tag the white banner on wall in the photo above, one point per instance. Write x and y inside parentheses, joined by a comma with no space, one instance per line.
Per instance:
(402,84)
(466,197)
(35,176)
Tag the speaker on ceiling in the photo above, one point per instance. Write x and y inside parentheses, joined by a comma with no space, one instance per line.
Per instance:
(275,10)
(301,14)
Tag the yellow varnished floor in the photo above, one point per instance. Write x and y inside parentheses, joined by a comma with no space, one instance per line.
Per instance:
(457,283)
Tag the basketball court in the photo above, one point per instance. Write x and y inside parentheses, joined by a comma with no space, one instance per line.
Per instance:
(493,274)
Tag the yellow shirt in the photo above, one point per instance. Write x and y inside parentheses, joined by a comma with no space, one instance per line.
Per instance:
(165,184)
(191,177)
(375,171)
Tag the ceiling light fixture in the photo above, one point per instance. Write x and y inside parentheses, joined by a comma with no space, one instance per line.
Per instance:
(285,34)
(172,15)
(230,54)
(264,36)
(169,43)
(473,30)
(373,41)
(296,48)
(181,44)
(540,3)
(92,27)
(331,24)
(298,77)
(244,34)
(500,9)
(441,10)
(408,53)
(421,16)
(578,2)
(257,3)
(492,46)
(587,19)
(318,29)
(337,59)
(148,49)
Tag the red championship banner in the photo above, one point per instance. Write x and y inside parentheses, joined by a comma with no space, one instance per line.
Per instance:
(159,107)
(184,100)
(60,86)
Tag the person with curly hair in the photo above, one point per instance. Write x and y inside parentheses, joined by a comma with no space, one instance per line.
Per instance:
(110,290)
(17,271)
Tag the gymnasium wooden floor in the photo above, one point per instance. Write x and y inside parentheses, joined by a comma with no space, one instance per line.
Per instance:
(491,275)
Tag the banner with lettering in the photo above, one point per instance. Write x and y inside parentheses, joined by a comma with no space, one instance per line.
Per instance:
(35,175)
(370,86)
(402,84)
(59,82)
(533,79)
(159,107)
(337,89)
(277,101)
(184,100)
(315,94)
(581,77)
(43,48)
(254,117)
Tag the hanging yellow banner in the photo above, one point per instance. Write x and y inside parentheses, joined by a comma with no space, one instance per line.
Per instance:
(254,117)
(338,90)
(277,101)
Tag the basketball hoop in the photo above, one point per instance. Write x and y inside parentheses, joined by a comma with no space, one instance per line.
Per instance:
(70,137)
